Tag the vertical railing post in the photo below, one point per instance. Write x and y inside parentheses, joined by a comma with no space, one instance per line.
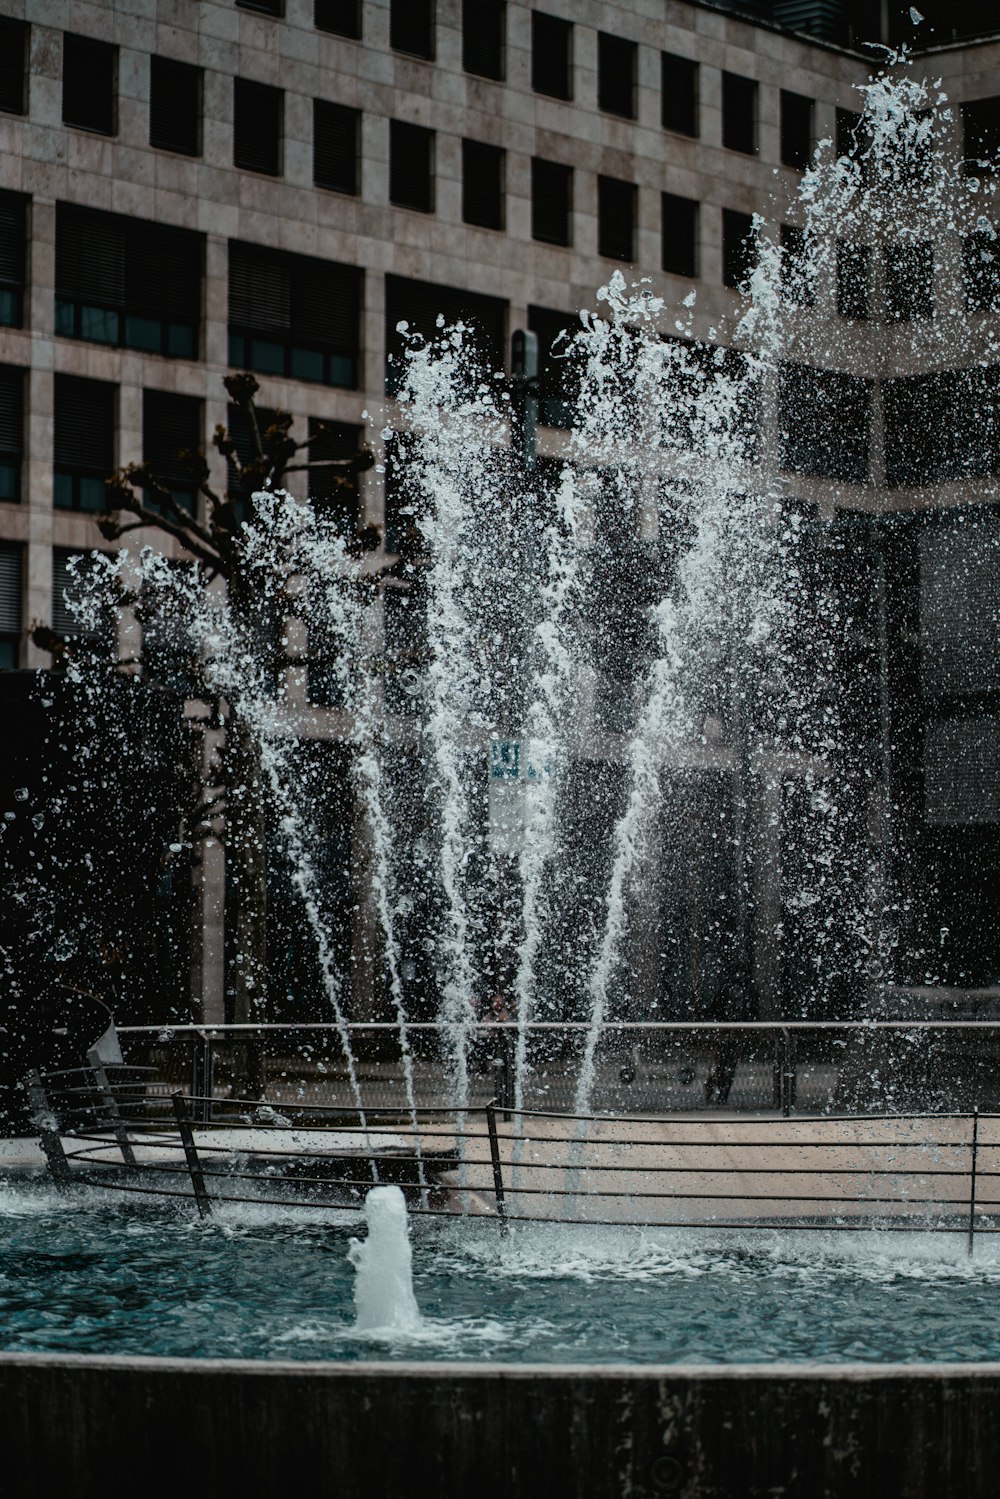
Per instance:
(491,1125)
(787,1072)
(191,1155)
(43,1117)
(110,1103)
(972,1180)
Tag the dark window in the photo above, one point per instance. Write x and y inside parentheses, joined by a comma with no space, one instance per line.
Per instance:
(825,422)
(616,201)
(739,113)
(265,7)
(342,17)
(336,132)
(853,138)
(942,426)
(292,315)
(854,280)
(551,202)
(797,279)
(680,235)
(89,84)
(981,264)
(411,27)
(796,130)
(909,282)
(11,605)
(738,252)
(69,573)
(11,432)
(616,69)
(127,283)
(846,136)
(679,93)
(84,447)
(333,492)
(171,440)
(484,24)
(482,184)
(12,258)
(551,55)
(419,304)
(175,106)
(13,51)
(411,166)
(558,374)
(981,127)
(257,126)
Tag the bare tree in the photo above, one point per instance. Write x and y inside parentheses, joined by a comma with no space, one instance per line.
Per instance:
(212,534)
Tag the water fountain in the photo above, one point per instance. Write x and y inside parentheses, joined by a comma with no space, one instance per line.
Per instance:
(574,641)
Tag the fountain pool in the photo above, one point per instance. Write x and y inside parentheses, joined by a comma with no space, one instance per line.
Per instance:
(257,1284)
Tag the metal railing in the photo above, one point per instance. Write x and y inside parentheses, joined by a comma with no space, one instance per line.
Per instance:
(908,1172)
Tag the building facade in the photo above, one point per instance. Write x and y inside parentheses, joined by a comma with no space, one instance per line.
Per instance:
(191,188)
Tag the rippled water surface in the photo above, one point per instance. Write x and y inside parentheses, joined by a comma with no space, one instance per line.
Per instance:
(91,1276)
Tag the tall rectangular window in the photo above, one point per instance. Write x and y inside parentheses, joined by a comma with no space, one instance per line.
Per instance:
(174,106)
(13,70)
(909,281)
(89,84)
(482,184)
(981,129)
(334,491)
(680,235)
(484,27)
(796,130)
(797,281)
(411,166)
(293,315)
(678,93)
(981,265)
(11,605)
(558,375)
(616,206)
(336,134)
(11,432)
(616,75)
(739,113)
(854,281)
(171,428)
(127,283)
(258,111)
(13,226)
(824,423)
(738,253)
(411,27)
(551,202)
(69,569)
(551,55)
(340,17)
(84,446)
(419,304)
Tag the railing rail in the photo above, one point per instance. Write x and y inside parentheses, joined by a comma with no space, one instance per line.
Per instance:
(912,1171)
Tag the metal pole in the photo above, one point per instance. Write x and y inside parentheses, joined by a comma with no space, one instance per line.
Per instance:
(491,1125)
(111,1105)
(972,1184)
(44,1119)
(191,1155)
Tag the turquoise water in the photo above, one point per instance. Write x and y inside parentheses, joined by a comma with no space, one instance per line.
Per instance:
(84,1275)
